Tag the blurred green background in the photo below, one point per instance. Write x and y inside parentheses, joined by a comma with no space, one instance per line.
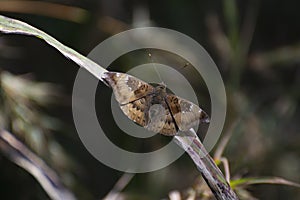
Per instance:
(254,43)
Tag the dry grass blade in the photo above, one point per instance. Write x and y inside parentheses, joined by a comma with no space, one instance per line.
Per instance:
(22,156)
(9,25)
(263,180)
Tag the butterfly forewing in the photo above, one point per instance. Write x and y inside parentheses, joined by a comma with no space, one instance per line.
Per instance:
(185,113)
(127,88)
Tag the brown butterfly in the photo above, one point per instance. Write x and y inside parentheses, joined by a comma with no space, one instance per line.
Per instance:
(152,107)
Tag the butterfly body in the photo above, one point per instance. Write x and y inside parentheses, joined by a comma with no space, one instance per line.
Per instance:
(152,107)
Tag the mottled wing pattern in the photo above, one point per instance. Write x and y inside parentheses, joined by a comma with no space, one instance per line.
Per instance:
(148,107)
(137,111)
(161,120)
(185,113)
(169,128)
(156,118)
(127,88)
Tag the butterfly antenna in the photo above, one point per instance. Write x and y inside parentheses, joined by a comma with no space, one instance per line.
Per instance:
(155,68)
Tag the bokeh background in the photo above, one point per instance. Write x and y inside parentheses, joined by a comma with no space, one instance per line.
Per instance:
(254,43)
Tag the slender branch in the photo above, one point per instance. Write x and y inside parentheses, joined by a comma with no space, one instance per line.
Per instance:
(225,139)
(119,186)
(226,168)
(205,164)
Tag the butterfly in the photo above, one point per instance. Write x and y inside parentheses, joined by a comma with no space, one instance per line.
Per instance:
(152,107)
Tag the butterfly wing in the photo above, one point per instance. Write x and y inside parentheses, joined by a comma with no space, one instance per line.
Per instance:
(127,88)
(137,111)
(156,118)
(185,113)
(135,99)
(169,127)
(161,120)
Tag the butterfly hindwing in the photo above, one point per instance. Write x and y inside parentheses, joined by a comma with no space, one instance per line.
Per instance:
(160,119)
(185,113)
(169,127)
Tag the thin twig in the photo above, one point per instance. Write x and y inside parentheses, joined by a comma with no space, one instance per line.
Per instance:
(226,168)
(225,139)
(119,186)
(174,195)
(205,164)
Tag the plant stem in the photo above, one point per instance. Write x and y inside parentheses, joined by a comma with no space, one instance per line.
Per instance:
(207,167)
